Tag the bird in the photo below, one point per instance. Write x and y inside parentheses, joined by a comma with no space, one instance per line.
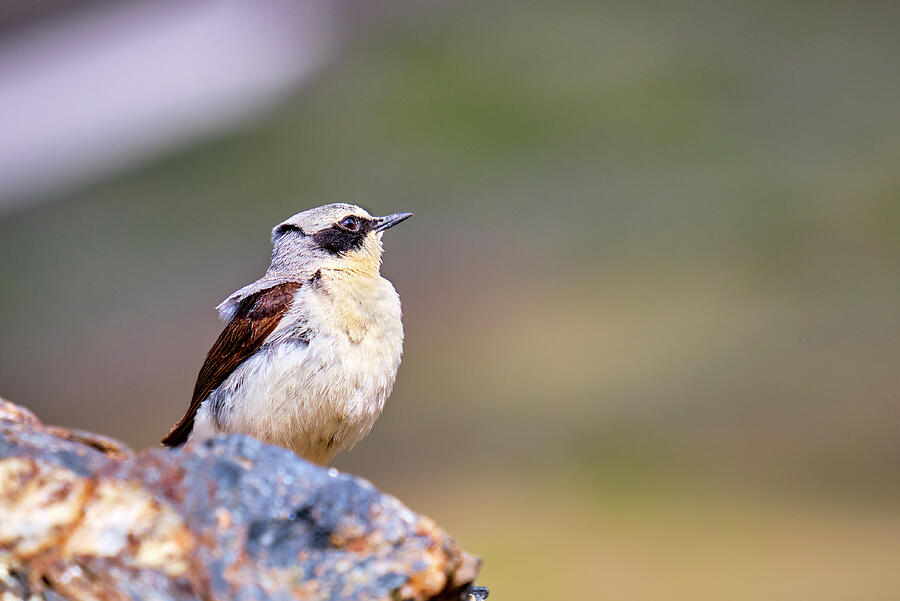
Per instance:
(311,349)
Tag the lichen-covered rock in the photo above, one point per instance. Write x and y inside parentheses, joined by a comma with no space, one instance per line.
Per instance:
(83,517)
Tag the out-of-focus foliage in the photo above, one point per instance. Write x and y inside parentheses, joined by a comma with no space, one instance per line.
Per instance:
(651,290)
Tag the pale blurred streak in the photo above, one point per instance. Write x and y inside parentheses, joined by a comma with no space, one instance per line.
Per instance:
(106,87)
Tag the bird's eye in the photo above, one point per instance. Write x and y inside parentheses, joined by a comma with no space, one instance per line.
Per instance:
(350,223)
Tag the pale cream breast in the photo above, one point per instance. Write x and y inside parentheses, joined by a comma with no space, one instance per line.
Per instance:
(323,376)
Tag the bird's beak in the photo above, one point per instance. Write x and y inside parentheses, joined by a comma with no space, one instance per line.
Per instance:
(391,220)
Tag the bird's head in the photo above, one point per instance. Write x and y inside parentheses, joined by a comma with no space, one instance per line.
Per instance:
(334,236)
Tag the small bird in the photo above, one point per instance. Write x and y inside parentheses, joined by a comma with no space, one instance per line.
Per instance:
(311,349)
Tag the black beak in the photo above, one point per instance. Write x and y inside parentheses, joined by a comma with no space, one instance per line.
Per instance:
(391,220)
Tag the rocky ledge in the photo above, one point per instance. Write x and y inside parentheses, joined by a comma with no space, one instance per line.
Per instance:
(84,517)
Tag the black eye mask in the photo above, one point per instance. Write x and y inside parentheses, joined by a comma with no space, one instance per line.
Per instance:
(338,239)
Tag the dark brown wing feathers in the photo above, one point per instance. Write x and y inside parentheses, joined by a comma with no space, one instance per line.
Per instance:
(254,320)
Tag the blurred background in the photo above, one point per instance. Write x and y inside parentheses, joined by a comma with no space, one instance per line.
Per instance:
(651,292)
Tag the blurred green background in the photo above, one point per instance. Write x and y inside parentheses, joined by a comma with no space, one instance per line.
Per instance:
(651,292)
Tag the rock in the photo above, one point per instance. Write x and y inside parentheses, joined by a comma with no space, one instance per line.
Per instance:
(83,517)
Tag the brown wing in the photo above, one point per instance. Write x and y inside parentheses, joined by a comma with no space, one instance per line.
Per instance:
(254,320)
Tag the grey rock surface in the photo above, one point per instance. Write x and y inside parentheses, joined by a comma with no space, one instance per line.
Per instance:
(83,517)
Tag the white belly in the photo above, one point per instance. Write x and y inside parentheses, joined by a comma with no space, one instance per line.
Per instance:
(314,397)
